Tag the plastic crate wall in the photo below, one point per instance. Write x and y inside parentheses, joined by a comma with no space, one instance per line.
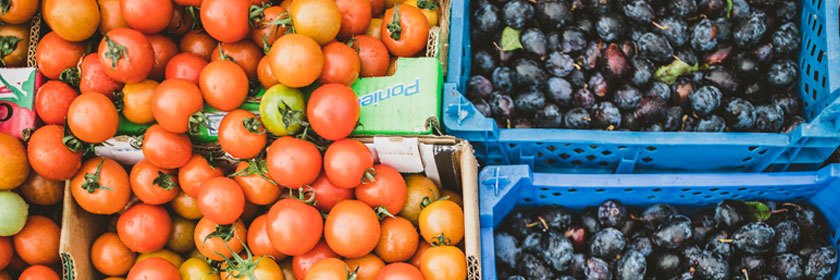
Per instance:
(593,151)
(501,188)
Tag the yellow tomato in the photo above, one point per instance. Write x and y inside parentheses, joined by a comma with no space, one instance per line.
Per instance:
(374,28)
(137,100)
(318,19)
(165,254)
(417,188)
(430,9)
(185,206)
(197,269)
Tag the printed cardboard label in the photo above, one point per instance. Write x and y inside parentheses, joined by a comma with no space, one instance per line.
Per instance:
(17,99)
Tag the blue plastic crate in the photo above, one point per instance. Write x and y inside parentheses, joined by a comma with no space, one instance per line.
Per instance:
(591,151)
(501,188)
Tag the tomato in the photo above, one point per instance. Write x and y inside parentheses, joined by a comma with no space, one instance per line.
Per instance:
(355,17)
(199,43)
(375,28)
(454,197)
(185,206)
(110,16)
(167,255)
(317,19)
(210,246)
(294,227)
(73,20)
(386,193)
(19,11)
(430,9)
(101,186)
(412,34)
(274,111)
(264,74)
(258,239)
(333,111)
(347,163)
(274,23)
(226,20)
(195,172)
(55,54)
(137,101)
(174,102)
(38,272)
(329,268)
(93,118)
(328,195)
(258,189)
(14,168)
(341,64)
(153,185)
(399,271)
(293,163)
(259,268)
(376,7)
(144,228)
(244,53)
(296,60)
(368,266)
(48,156)
(373,56)
(13,214)
(53,100)
(249,213)
(185,66)
(110,256)
(418,187)
(153,268)
(42,191)
(197,269)
(147,16)
(37,243)
(391,3)
(6,251)
(196,3)
(442,217)
(165,149)
(94,79)
(126,55)
(164,49)
(421,248)
(352,229)
(398,241)
(241,134)
(17,38)
(180,23)
(443,262)
(224,85)
(221,200)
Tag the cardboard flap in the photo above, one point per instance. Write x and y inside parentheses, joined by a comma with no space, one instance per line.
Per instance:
(79,230)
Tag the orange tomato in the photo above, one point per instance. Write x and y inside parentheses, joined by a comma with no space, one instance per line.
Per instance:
(375,28)
(49,157)
(153,185)
(164,49)
(54,54)
(53,101)
(264,74)
(373,56)
(38,272)
(174,102)
(137,101)
(271,26)
(42,191)
(93,118)
(185,206)
(355,17)
(126,55)
(317,19)
(147,16)
(17,40)
(296,60)
(91,195)
(368,266)
(400,271)
(110,256)
(195,172)
(73,20)
(110,16)
(154,268)
(412,35)
(7,249)
(241,134)
(352,229)
(185,66)
(199,43)
(258,240)
(180,23)
(225,20)
(224,85)
(258,190)
(329,268)
(443,263)
(19,11)
(244,53)
(15,167)
(94,78)
(442,217)
(210,246)
(221,200)
(37,242)
(418,187)
(144,228)
(421,248)
(398,240)
(341,64)
(165,149)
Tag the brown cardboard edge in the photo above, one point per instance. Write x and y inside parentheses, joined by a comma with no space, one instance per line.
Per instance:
(78,231)
(472,234)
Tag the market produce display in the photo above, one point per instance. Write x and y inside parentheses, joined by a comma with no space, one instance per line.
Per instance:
(733,240)
(706,65)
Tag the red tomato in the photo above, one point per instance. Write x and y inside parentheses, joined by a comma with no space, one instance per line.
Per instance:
(6,251)
(221,200)
(164,49)
(347,162)
(188,2)
(224,85)
(352,229)
(126,55)
(241,134)
(341,64)
(333,111)
(91,195)
(259,242)
(328,195)
(94,78)
(174,102)
(195,172)
(180,24)
(355,17)
(93,118)
(153,185)
(209,247)
(165,149)
(199,43)
(294,227)
(329,268)
(258,190)
(110,16)
(37,242)
(153,268)
(49,157)
(386,191)
(244,53)
(399,271)
(293,163)
(412,34)
(302,263)
(55,54)
(147,16)
(225,20)
(144,228)
(270,26)
(38,272)
(376,7)
(110,256)
(373,56)
(185,66)
(264,74)
(53,101)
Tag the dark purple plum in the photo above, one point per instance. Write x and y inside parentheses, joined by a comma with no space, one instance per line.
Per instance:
(577,118)
(627,97)
(606,116)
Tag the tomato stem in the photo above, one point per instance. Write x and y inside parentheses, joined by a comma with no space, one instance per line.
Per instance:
(118,101)
(382,212)
(426,200)
(193,12)
(222,54)
(115,52)
(91,183)
(256,14)
(353,44)
(237,267)
(255,166)
(441,240)
(197,120)
(353,275)
(253,125)
(8,44)
(165,181)
(5,5)
(429,5)
(369,175)
(302,195)
(137,141)
(225,232)
(394,27)
(71,76)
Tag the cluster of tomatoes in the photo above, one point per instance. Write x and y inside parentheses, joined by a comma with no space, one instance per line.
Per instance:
(323,211)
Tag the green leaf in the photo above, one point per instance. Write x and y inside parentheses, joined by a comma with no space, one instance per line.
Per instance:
(758,211)
(728,8)
(669,73)
(510,39)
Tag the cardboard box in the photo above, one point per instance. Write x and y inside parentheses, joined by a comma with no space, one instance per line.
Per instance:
(18,87)
(446,160)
